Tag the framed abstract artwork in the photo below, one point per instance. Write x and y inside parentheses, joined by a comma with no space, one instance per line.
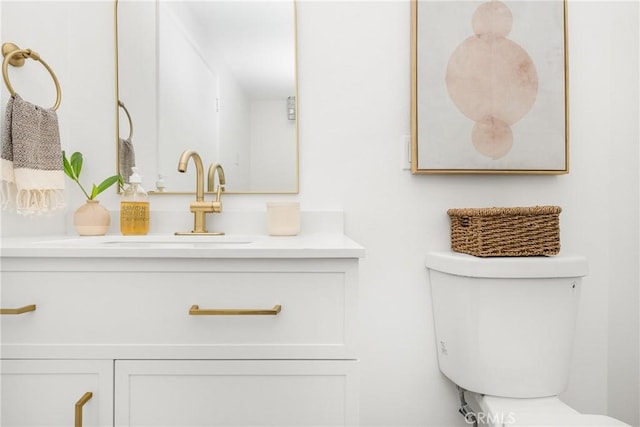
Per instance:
(489,87)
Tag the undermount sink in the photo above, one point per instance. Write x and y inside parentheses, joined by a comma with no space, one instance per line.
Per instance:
(176,241)
(158,241)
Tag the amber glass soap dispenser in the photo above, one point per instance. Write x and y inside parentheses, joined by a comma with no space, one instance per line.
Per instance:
(134,207)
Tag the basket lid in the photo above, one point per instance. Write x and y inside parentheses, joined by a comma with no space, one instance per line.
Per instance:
(460,264)
(529,210)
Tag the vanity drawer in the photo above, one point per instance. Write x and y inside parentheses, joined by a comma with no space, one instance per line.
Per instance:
(150,313)
(236,392)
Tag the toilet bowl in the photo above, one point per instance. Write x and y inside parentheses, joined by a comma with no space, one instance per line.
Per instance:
(546,411)
(504,331)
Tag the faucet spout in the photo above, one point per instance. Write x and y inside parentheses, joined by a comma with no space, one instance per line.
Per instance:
(182,167)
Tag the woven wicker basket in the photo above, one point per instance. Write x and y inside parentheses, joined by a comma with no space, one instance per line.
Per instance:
(516,231)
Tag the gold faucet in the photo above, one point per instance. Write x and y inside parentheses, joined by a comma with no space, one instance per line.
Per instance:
(199,207)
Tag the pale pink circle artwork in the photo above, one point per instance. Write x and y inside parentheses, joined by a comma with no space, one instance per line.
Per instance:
(492,80)
(492,138)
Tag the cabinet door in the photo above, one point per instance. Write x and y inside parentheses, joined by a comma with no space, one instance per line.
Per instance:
(46,393)
(238,393)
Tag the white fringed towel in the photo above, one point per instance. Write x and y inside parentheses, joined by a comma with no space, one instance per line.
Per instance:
(31,160)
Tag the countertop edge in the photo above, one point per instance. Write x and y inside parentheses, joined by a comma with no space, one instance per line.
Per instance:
(266,247)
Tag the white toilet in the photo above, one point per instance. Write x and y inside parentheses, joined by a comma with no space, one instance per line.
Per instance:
(504,331)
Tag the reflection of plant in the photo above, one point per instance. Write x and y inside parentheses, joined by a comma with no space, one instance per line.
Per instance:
(72,168)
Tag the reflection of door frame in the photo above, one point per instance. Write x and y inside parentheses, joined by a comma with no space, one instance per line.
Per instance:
(187,89)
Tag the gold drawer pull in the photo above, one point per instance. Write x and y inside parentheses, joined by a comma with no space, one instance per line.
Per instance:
(197,311)
(79,405)
(25,309)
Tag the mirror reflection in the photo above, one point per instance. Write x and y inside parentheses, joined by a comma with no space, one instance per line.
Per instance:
(217,77)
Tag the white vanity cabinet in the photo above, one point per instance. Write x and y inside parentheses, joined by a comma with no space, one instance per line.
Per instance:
(189,340)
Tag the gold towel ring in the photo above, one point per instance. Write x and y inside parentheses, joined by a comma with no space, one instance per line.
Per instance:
(15,56)
(121,105)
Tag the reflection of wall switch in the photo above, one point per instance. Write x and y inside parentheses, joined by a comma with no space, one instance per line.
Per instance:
(406,152)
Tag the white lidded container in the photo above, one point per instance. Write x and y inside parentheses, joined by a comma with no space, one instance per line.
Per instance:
(283,218)
(505,326)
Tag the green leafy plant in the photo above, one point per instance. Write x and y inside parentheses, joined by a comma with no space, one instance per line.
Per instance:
(73,167)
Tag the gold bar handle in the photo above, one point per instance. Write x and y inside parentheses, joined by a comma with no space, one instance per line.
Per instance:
(79,405)
(20,310)
(195,310)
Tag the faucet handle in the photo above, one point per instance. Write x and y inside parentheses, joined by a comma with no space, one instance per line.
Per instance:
(213,168)
(218,202)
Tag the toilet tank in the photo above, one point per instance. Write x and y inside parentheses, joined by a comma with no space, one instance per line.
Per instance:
(504,326)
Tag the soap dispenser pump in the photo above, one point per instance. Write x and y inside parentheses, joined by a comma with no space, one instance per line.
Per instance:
(134,207)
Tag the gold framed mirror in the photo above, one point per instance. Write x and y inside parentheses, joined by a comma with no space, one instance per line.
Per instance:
(216,77)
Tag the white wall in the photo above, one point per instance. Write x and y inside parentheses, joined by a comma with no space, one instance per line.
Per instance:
(76,40)
(623,114)
(354,110)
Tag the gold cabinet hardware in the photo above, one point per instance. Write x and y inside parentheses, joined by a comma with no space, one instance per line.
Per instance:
(20,310)
(197,311)
(79,405)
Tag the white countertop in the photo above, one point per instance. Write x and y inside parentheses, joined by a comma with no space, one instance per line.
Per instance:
(169,246)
